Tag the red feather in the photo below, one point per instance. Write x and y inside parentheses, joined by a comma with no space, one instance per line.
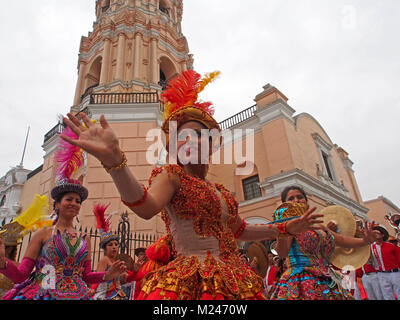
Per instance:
(99,212)
(183,90)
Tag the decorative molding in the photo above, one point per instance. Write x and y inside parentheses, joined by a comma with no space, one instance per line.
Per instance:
(128,112)
(275,110)
(274,185)
(326,146)
(50,146)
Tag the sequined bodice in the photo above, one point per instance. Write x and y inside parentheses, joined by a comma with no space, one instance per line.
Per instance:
(311,249)
(59,268)
(199,217)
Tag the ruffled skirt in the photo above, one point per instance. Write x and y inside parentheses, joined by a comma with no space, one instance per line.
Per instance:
(310,284)
(186,278)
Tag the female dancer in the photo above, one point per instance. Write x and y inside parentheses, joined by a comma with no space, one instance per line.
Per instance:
(109,242)
(309,275)
(201,217)
(61,256)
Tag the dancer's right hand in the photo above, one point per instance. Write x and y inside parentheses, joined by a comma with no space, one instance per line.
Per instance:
(97,139)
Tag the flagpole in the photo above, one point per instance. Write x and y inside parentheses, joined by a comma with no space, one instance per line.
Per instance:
(26,141)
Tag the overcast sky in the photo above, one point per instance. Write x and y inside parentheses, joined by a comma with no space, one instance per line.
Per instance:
(336,60)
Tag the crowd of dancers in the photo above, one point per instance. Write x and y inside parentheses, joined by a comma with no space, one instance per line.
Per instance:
(199,258)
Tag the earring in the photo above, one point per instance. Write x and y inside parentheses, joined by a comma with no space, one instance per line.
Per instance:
(77,219)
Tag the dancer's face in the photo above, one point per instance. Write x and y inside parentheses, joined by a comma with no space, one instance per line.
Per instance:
(195,140)
(296,196)
(69,206)
(111,249)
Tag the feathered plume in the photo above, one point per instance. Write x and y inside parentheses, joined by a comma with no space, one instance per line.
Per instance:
(68,157)
(207,79)
(35,217)
(184,91)
(103,222)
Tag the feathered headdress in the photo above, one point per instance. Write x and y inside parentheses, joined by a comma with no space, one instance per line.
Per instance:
(181,100)
(33,219)
(158,254)
(69,159)
(103,224)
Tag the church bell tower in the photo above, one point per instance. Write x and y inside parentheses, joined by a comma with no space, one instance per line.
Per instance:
(136,46)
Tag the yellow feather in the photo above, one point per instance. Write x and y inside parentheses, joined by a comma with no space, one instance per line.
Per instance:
(167,109)
(208,78)
(94,121)
(36,212)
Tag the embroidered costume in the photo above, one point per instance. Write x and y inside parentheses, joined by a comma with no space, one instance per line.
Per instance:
(309,275)
(110,290)
(63,260)
(207,264)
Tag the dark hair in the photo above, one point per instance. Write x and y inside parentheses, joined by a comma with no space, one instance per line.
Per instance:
(13,253)
(287,189)
(58,200)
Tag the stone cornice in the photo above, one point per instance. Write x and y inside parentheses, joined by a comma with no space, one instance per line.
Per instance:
(127,112)
(321,142)
(385,200)
(50,146)
(274,185)
(152,33)
(275,110)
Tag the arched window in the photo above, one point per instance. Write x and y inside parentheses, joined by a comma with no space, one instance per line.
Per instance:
(163,80)
(163,7)
(93,77)
(106,5)
(167,71)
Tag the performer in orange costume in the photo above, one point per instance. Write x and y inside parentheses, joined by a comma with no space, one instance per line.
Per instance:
(201,217)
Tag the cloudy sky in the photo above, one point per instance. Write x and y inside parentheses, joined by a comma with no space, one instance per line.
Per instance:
(337,60)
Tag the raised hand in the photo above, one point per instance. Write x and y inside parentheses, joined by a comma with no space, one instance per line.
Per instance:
(117,269)
(370,235)
(307,222)
(97,139)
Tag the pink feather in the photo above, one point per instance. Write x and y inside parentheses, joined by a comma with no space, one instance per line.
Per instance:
(68,157)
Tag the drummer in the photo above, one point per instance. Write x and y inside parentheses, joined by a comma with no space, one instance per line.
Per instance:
(310,275)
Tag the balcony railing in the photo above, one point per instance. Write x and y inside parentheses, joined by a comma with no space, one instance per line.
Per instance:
(58,129)
(124,98)
(238,118)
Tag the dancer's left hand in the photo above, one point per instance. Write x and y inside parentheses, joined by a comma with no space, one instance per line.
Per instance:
(307,222)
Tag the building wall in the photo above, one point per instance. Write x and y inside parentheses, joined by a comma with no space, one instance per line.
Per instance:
(378,209)
(285,144)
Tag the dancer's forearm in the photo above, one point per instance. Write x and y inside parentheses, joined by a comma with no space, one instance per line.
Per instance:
(150,202)
(259,233)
